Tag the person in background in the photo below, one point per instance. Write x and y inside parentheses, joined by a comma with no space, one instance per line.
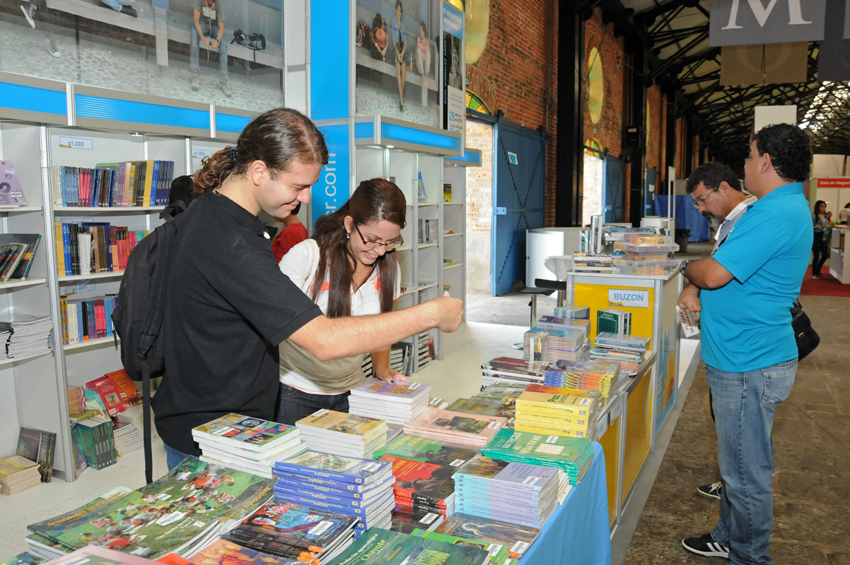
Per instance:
(844,215)
(179,197)
(423,60)
(349,268)
(717,194)
(29,8)
(747,289)
(228,305)
(399,39)
(292,234)
(208,28)
(820,248)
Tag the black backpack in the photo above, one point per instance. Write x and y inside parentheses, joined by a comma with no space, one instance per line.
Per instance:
(139,311)
(253,41)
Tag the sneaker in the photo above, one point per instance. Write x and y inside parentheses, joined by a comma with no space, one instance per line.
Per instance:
(705,546)
(51,47)
(130,11)
(225,89)
(29,11)
(711,491)
(196,82)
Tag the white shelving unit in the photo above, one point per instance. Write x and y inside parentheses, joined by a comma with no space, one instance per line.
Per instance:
(34,388)
(839,245)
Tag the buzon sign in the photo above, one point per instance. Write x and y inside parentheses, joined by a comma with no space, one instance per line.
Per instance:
(628,297)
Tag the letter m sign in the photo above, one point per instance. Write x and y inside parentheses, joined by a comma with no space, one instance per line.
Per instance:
(753,22)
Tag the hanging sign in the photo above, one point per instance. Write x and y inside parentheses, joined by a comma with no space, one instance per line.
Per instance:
(751,22)
(628,297)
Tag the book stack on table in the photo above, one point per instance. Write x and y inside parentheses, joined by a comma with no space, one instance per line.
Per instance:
(513,371)
(382,547)
(486,407)
(557,411)
(610,346)
(571,455)
(394,403)
(248,444)
(223,552)
(294,531)
(361,488)
(127,438)
(455,427)
(329,431)
(515,537)
(514,492)
(18,474)
(423,486)
(585,375)
(541,344)
(409,520)
(560,323)
(497,553)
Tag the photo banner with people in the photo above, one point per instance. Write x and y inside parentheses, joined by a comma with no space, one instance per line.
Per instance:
(397,60)
(454,95)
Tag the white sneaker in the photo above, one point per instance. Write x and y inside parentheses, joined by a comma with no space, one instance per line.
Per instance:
(196,82)
(225,89)
(51,47)
(29,11)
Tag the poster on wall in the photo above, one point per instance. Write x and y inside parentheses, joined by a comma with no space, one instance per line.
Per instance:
(397,61)
(333,187)
(454,96)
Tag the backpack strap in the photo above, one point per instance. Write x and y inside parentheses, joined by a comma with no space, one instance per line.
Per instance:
(146,422)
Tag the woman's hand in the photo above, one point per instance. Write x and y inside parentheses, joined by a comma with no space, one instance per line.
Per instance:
(391,376)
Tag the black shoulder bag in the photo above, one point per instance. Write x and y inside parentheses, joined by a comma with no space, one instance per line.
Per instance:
(806,336)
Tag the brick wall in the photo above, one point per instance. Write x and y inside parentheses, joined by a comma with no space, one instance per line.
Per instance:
(479,180)
(609,129)
(517,73)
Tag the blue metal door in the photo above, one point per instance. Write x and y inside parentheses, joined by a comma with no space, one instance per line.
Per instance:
(649,191)
(612,190)
(519,173)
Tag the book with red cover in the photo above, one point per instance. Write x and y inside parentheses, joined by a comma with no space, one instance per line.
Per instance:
(421,482)
(129,393)
(109,392)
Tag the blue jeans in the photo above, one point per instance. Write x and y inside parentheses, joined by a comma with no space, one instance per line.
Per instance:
(174,457)
(209,33)
(744,406)
(295,404)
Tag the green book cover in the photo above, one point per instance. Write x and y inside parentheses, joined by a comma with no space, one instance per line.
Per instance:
(427,450)
(394,548)
(608,321)
(498,553)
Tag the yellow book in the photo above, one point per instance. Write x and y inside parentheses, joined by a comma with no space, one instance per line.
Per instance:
(566,419)
(63,307)
(60,248)
(545,403)
(146,199)
(550,430)
(130,184)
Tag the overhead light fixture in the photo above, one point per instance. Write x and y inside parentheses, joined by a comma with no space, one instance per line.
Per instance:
(390,146)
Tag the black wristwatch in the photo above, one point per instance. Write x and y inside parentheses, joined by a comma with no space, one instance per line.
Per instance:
(683,265)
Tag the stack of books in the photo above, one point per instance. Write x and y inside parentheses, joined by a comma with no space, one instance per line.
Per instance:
(506,393)
(540,344)
(408,520)
(613,320)
(76,399)
(394,403)
(560,323)
(83,248)
(455,427)
(39,446)
(423,486)
(498,553)
(486,407)
(383,547)
(515,537)
(248,444)
(514,492)
(128,438)
(512,371)
(557,411)
(585,375)
(98,441)
(18,474)
(131,183)
(18,252)
(571,455)
(339,433)
(295,532)
(186,509)
(401,360)
(361,488)
(593,263)
(223,552)
(572,312)
(619,347)
(23,334)
(425,348)
(428,450)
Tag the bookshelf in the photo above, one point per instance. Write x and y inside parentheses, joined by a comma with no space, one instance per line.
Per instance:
(35,139)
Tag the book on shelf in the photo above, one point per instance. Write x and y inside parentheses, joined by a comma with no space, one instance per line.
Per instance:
(39,446)
(83,248)
(447,192)
(125,184)
(420,186)
(17,251)
(11,194)
(98,442)
(86,319)
(23,334)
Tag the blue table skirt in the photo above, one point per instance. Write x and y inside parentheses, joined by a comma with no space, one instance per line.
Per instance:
(578,533)
(686,216)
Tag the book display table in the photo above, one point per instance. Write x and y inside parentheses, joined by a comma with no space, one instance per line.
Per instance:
(578,531)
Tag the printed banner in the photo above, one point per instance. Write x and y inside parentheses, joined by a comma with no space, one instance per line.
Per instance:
(333,188)
(775,63)
(834,51)
(454,96)
(628,297)
(750,22)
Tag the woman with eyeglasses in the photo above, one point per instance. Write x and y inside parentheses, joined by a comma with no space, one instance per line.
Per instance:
(348,268)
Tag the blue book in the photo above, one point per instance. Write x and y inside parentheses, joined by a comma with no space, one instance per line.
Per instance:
(295,491)
(373,511)
(338,486)
(66,248)
(336,467)
(154,184)
(81,332)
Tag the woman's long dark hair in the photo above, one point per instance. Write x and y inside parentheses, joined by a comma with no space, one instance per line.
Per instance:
(277,137)
(373,201)
(816,215)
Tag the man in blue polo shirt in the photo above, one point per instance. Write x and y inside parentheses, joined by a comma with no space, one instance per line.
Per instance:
(748,288)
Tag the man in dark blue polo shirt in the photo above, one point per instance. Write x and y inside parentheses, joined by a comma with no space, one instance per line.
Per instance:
(748,288)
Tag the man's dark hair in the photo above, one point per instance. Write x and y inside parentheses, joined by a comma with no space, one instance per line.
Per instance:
(711,174)
(789,149)
(182,188)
